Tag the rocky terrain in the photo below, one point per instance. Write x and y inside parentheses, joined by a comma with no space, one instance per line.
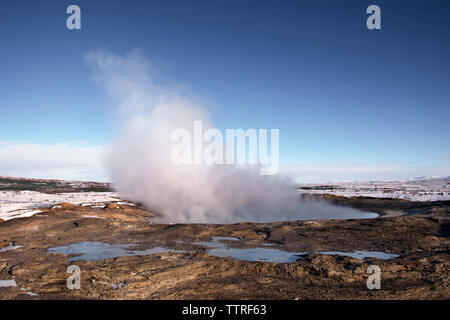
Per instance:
(131,256)
(52,186)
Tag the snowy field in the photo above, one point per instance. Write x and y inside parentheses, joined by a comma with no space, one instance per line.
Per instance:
(432,189)
(25,203)
(18,204)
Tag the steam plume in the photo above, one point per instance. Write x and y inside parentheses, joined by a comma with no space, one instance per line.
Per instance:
(142,170)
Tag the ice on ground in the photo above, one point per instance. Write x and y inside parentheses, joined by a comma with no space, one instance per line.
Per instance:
(10,247)
(29,292)
(8,283)
(17,213)
(19,204)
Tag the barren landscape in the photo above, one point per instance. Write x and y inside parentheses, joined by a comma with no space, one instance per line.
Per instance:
(199,152)
(124,253)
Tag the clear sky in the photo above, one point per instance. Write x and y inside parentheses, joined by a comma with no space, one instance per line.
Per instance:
(350,103)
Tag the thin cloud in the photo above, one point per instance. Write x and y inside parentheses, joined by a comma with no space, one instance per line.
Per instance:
(336,172)
(71,161)
(79,161)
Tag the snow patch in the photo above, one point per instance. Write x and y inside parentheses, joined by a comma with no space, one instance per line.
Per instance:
(8,283)
(414,190)
(29,292)
(10,247)
(19,204)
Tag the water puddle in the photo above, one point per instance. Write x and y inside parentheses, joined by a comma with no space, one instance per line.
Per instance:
(257,254)
(363,254)
(115,286)
(218,248)
(94,251)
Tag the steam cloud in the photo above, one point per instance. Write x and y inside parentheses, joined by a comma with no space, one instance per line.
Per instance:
(141,166)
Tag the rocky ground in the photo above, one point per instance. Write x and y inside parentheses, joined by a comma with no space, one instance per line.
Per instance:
(417,232)
(52,186)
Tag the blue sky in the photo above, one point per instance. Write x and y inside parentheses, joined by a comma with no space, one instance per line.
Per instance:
(343,96)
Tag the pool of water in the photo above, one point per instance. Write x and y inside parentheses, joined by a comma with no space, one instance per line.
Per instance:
(363,254)
(219,248)
(93,251)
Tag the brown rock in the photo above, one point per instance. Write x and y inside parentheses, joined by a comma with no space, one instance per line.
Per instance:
(63,205)
(113,206)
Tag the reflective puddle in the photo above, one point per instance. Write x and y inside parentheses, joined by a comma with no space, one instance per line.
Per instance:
(220,249)
(363,254)
(217,247)
(93,251)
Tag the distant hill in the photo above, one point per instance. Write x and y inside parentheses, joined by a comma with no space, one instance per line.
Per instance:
(52,186)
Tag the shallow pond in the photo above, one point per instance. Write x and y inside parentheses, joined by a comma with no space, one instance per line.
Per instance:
(93,251)
(363,254)
(219,249)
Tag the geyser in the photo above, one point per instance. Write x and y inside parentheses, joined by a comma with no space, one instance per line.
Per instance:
(140,159)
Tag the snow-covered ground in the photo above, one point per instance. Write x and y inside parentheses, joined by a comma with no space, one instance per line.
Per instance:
(19,204)
(432,189)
